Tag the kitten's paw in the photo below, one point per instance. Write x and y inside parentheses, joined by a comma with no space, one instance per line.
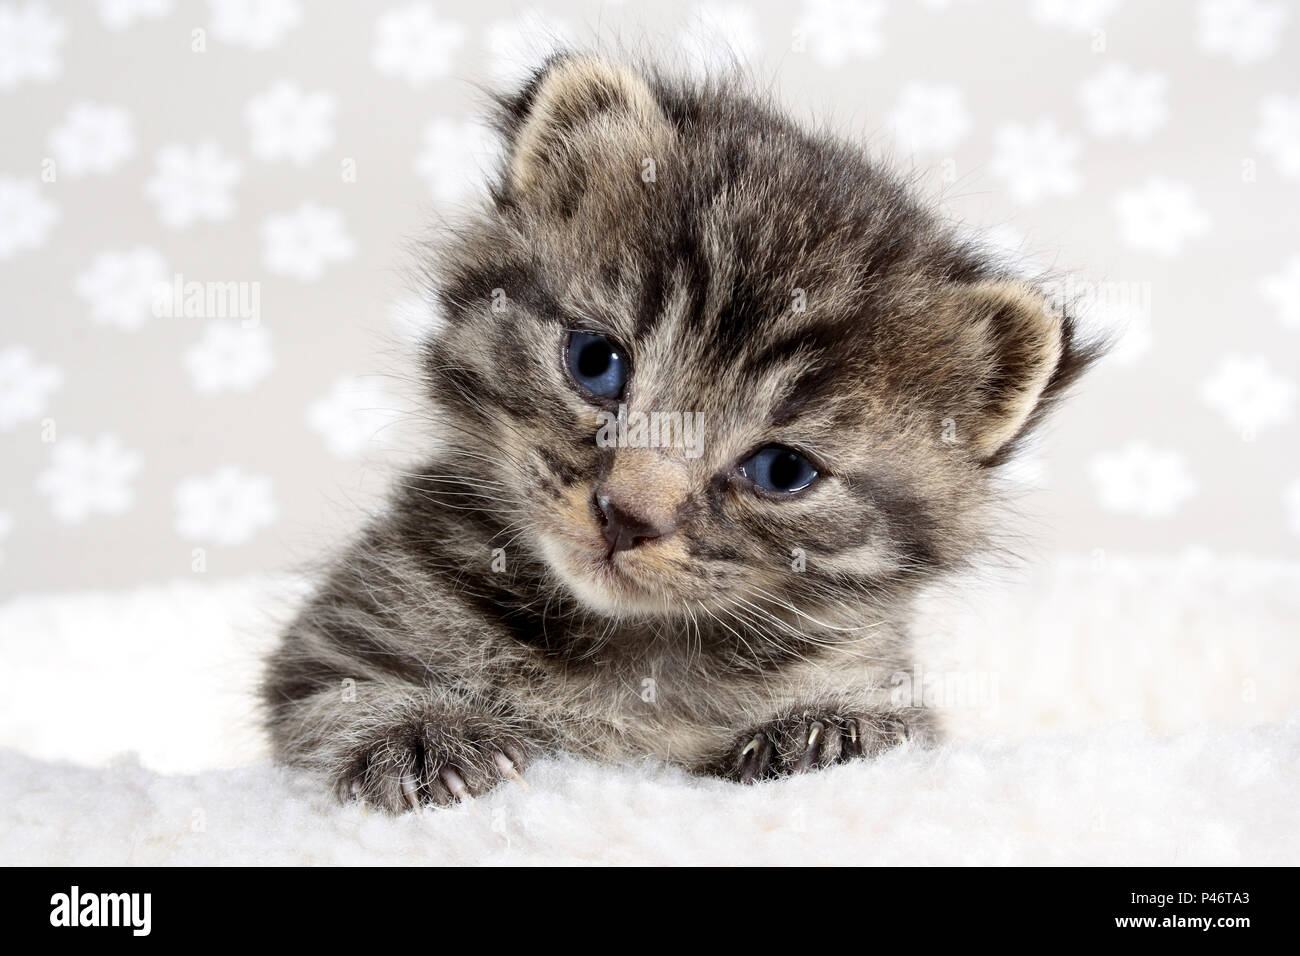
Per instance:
(406,767)
(802,743)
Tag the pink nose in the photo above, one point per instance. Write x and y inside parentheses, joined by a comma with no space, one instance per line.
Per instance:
(622,528)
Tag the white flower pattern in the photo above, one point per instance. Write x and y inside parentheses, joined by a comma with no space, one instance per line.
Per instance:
(1244,31)
(1142,481)
(190,185)
(1278,132)
(121,14)
(254,24)
(1249,393)
(838,31)
(305,242)
(287,123)
(25,386)
(1160,217)
(456,158)
(226,508)
(296,150)
(120,287)
(1119,101)
(351,415)
(1282,290)
(89,477)
(229,357)
(1036,161)
(26,215)
(30,42)
(93,138)
(416,43)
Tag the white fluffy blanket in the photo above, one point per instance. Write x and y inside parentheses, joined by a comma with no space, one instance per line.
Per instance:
(1107,711)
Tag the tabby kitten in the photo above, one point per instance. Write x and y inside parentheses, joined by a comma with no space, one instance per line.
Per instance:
(719,397)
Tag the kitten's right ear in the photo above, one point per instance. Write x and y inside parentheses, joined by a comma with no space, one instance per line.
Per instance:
(581,122)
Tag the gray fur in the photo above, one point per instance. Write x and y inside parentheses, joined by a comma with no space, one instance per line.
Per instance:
(420,672)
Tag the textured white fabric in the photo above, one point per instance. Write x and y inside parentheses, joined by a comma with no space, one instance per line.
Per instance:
(1124,711)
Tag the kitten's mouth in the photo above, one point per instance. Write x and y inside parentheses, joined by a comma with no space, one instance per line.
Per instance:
(600,577)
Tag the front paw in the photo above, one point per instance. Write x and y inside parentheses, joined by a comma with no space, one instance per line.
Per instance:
(806,742)
(406,765)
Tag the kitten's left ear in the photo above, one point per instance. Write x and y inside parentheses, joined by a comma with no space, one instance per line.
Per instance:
(1019,353)
(582,123)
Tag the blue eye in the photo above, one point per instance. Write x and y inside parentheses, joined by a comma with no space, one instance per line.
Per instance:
(779,469)
(596,364)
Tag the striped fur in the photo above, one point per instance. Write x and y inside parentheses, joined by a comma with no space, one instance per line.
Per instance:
(784,287)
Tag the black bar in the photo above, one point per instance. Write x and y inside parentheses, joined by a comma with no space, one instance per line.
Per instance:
(332,905)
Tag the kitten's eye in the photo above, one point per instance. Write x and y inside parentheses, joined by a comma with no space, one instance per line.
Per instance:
(596,364)
(779,469)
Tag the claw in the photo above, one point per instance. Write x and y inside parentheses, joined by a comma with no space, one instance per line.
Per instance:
(507,768)
(753,759)
(455,783)
(812,749)
(409,791)
(852,745)
(895,728)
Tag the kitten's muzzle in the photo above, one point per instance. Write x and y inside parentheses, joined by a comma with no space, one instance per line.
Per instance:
(622,528)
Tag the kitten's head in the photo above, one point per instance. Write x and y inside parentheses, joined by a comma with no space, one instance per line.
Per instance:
(707,357)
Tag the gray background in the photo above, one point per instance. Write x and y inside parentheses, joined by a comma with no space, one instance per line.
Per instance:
(1168,163)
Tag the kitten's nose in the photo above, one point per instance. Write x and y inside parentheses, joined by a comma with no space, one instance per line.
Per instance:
(622,528)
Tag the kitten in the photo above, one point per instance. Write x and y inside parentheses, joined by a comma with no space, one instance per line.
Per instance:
(577,573)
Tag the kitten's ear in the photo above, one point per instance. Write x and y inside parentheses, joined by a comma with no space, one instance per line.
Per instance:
(579,122)
(1015,346)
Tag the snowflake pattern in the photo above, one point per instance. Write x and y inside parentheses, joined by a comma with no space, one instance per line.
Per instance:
(286,123)
(1077,16)
(456,158)
(89,477)
(1160,217)
(1282,290)
(253,24)
(30,41)
(1249,394)
(1244,31)
(351,415)
(1278,133)
(838,31)
(304,243)
(1036,161)
(25,386)
(93,138)
(1119,101)
(415,43)
(1142,481)
(414,317)
(226,508)
(26,215)
(121,14)
(230,357)
(120,288)
(289,148)
(190,185)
